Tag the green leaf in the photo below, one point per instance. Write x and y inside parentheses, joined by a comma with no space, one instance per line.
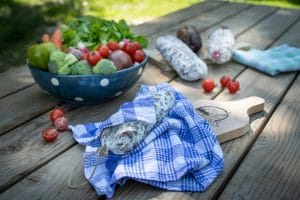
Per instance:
(142,40)
(93,31)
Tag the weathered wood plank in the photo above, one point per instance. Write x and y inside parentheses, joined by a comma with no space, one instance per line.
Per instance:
(258,84)
(25,143)
(172,19)
(15,79)
(23,106)
(271,168)
(242,22)
(249,18)
(25,169)
(81,115)
(203,21)
(52,173)
(57,191)
(252,83)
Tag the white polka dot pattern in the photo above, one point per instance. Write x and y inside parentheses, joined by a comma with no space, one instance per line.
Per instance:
(140,71)
(78,99)
(104,82)
(54,81)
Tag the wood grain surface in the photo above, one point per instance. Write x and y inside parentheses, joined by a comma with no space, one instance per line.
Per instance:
(252,83)
(25,142)
(14,83)
(156,25)
(271,168)
(30,168)
(14,80)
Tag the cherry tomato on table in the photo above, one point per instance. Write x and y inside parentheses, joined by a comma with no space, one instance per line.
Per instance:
(225,80)
(61,123)
(50,134)
(56,113)
(233,86)
(208,85)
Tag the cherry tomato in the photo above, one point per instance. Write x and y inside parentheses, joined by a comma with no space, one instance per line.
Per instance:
(130,48)
(208,85)
(104,51)
(50,134)
(61,123)
(138,56)
(137,46)
(112,45)
(56,113)
(93,57)
(233,86)
(225,80)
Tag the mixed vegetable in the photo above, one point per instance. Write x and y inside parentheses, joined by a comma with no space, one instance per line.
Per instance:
(88,45)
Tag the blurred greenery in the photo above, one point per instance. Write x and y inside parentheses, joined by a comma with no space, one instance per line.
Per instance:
(22,22)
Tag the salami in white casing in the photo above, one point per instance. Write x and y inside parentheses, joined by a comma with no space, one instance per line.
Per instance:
(221,44)
(185,62)
(125,137)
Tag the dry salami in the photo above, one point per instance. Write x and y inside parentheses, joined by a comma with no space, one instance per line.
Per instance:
(186,63)
(221,45)
(123,138)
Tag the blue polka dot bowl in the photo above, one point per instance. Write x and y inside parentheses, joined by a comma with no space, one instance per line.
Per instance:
(88,89)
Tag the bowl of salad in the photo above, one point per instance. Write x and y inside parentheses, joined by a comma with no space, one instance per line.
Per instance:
(88,61)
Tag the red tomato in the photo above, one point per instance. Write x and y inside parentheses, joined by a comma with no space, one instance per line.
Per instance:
(138,56)
(208,85)
(137,46)
(225,80)
(93,57)
(130,48)
(233,86)
(61,123)
(112,45)
(104,51)
(50,134)
(56,113)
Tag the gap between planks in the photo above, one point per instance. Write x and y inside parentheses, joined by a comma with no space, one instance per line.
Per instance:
(209,6)
(169,80)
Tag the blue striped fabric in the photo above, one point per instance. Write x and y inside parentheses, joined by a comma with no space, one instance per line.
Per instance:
(283,58)
(181,153)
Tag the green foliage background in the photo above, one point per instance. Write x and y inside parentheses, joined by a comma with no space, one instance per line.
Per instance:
(23,21)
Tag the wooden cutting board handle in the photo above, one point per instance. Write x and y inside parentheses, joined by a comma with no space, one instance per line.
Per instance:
(229,119)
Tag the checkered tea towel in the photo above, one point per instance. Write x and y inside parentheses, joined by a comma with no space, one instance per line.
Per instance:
(283,58)
(181,153)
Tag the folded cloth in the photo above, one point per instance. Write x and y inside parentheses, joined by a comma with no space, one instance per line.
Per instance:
(283,58)
(180,153)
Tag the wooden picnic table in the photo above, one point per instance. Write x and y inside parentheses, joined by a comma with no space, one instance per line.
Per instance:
(263,164)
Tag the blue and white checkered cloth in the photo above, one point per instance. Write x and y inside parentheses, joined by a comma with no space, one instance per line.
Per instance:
(181,153)
(283,58)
